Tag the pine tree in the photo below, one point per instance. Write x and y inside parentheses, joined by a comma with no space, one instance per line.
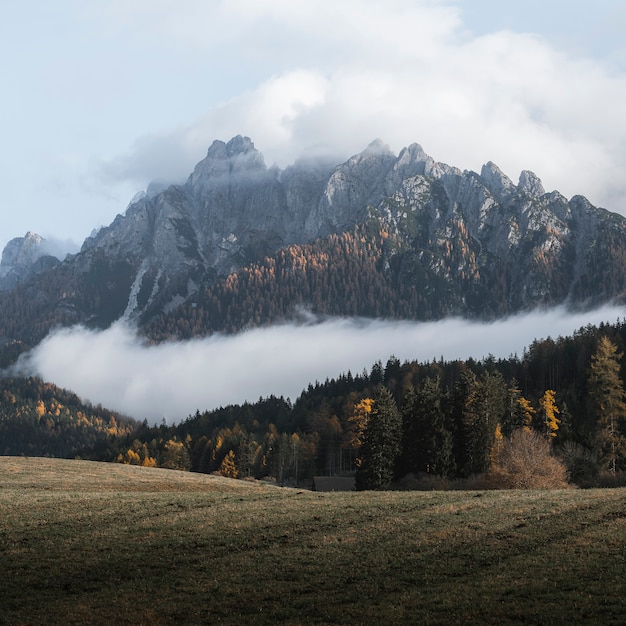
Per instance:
(381,443)
(461,394)
(609,402)
(427,440)
(483,410)
(520,413)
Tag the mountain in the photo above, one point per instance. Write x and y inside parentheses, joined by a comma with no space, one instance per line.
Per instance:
(403,236)
(22,258)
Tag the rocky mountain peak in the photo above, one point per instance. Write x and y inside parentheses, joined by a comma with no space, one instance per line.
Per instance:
(237,145)
(21,251)
(224,160)
(20,259)
(530,184)
(409,157)
(496,181)
(376,148)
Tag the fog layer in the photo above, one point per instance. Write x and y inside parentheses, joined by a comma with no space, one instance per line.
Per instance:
(172,380)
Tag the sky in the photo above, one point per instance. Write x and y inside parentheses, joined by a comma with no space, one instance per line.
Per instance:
(101,97)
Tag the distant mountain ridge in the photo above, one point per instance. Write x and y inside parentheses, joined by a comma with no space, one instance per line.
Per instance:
(386,235)
(23,257)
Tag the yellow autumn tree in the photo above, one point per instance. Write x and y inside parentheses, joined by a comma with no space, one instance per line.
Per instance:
(148,461)
(175,455)
(228,467)
(498,444)
(130,457)
(527,412)
(358,422)
(137,454)
(549,412)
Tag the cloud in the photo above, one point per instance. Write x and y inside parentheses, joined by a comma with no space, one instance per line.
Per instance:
(172,380)
(333,79)
(59,248)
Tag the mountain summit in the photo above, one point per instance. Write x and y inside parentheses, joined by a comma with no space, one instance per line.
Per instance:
(388,235)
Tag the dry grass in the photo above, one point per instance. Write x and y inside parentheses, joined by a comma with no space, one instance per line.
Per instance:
(89,543)
(88,476)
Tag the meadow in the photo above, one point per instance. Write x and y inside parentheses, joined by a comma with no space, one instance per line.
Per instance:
(93,543)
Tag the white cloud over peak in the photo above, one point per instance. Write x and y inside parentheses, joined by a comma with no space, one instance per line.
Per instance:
(349,73)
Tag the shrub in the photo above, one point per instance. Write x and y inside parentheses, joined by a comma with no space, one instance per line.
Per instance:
(526,462)
(423,482)
(582,464)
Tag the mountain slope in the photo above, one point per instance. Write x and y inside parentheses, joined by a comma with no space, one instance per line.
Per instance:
(240,244)
(41,419)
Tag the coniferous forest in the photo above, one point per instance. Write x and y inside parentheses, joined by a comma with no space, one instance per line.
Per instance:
(429,424)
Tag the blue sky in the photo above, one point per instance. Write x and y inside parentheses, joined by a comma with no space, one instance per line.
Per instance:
(99,98)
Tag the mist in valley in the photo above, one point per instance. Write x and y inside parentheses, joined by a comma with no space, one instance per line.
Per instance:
(117,369)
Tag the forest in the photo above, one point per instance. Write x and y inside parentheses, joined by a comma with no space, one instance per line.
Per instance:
(438,421)
(441,419)
(41,419)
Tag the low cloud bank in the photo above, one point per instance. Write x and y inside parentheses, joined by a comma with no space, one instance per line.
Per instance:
(172,380)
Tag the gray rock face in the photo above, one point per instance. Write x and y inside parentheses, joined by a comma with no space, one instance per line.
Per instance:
(498,246)
(23,257)
(530,184)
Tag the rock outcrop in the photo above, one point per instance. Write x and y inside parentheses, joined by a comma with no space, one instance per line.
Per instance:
(22,258)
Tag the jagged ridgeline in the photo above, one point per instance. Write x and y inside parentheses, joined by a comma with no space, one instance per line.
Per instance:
(401,236)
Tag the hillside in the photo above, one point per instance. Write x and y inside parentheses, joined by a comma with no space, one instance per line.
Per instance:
(398,236)
(41,419)
(89,543)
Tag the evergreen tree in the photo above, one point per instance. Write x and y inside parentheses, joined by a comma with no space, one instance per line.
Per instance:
(484,408)
(427,440)
(381,443)
(463,389)
(606,390)
(520,413)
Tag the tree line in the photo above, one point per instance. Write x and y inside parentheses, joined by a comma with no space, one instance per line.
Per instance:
(445,419)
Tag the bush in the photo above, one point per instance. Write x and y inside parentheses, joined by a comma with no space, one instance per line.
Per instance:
(611,479)
(582,464)
(526,462)
(423,482)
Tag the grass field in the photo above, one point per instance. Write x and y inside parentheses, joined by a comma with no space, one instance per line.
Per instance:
(92,543)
